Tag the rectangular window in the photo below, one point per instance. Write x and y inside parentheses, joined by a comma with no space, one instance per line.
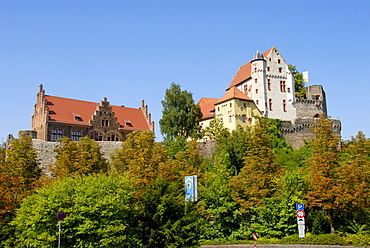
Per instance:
(268,68)
(244,105)
(244,118)
(76,135)
(270,104)
(257,102)
(282,86)
(269,84)
(246,89)
(256,91)
(104,123)
(255,80)
(56,134)
(230,118)
(280,70)
(288,90)
(279,61)
(284,105)
(231,105)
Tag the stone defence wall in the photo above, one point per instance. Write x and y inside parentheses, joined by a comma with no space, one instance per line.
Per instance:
(309,108)
(299,131)
(46,151)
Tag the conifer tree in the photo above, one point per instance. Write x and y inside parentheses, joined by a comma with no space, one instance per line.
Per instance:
(323,191)
(142,157)
(78,158)
(354,177)
(21,162)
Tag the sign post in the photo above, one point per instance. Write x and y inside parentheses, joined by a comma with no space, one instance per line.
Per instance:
(300,220)
(255,239)
(61,215)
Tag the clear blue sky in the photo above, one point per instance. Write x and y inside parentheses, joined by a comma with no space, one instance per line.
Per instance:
(133,50)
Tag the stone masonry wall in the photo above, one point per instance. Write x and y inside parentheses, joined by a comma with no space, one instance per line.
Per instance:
(299,130)
(46,154)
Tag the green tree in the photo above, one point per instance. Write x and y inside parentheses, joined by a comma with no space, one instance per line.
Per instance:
(165,220)
(218,210)
(323,191)
(258,178)
(21,162)
(180,115)
(19,176)
(78,158)
(100,212)
(300,91)
(354,177)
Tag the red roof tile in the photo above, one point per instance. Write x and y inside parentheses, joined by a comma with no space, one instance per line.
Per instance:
(65,110)
(234,93)
(244,72)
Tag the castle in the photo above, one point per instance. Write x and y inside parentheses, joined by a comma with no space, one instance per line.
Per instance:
(56,117)
(265,86)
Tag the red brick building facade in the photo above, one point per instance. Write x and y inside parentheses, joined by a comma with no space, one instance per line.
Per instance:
(56,117)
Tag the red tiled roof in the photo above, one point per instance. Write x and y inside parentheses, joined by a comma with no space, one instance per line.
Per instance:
(241,75)
(207,106)
(234,93)
(65,110)
(244,72)
(205,100)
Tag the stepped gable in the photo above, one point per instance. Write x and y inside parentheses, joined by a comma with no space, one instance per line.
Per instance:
(244,72)
(234,93)
(71,111)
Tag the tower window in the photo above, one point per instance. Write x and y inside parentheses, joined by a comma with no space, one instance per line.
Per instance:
(270,104)
(280,70)
(282,86)
(268,68)
(284,105)
(269,84)
(279,61)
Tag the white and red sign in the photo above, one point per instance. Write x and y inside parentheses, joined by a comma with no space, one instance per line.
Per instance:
(300,214)
(254,236)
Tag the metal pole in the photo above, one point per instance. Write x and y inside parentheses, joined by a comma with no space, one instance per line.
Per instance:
(60,227)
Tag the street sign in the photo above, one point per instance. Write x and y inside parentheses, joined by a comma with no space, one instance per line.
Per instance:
(61,215)
(254,236)
(299,206)
(191,188)
(300,213)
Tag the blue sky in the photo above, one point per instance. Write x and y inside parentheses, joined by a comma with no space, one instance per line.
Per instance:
(133,50)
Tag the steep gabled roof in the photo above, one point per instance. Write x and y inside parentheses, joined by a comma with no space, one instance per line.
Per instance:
(244,72)
(207,106)
(65,110)
(234,93)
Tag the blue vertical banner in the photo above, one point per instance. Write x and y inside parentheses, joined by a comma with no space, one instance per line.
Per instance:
(191,188)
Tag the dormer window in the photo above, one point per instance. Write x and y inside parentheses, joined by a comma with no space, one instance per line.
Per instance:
(128,123)
(77,117)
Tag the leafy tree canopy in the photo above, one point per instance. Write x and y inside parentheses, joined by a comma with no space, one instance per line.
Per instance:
(300,91)
(99,213)
(180,115)
(78,158)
